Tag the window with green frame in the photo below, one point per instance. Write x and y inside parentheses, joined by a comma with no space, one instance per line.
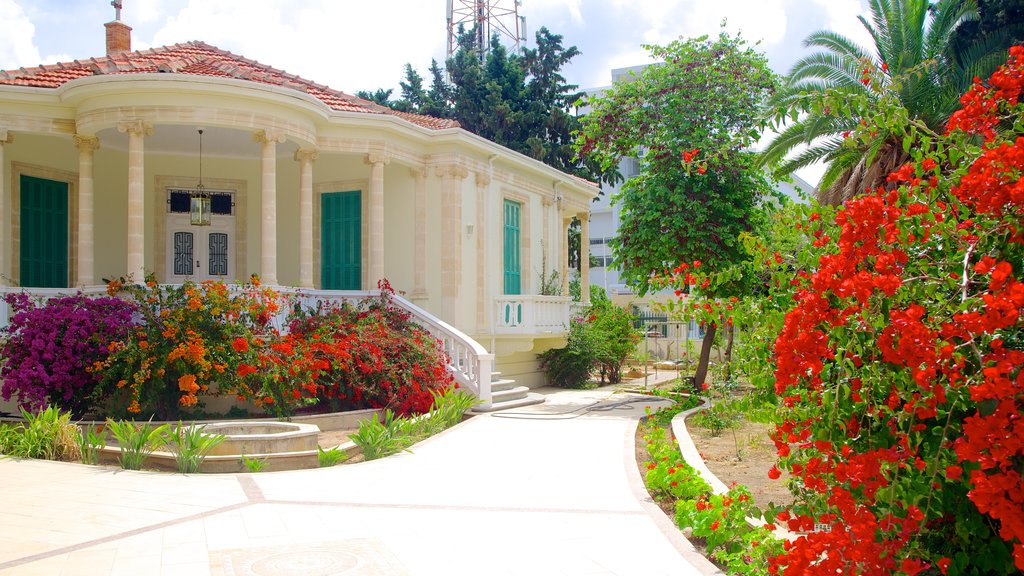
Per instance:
(512,246)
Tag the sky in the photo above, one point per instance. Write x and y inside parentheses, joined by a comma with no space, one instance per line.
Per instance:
(353,45)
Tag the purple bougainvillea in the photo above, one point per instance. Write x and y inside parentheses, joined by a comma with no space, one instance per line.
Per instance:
(51,350)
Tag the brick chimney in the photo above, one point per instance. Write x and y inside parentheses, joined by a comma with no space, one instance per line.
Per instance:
(119,37)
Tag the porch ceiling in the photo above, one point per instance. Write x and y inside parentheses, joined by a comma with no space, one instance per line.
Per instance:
(183,140)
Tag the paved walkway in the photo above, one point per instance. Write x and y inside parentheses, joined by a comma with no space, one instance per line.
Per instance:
(550,489)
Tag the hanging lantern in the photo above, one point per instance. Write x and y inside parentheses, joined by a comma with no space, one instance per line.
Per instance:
(199,210)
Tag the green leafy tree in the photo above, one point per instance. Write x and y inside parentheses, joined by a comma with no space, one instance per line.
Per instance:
(1000,24)
(414,97)
(380,96)
(913,45)
(521,101)
(698,192)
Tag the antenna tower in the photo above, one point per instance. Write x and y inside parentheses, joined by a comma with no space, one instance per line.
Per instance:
(486,17)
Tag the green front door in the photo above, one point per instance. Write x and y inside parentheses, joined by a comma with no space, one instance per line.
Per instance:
(341,241)
(44,233)
(512,247)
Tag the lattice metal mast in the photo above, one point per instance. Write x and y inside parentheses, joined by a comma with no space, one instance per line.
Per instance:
(486,17)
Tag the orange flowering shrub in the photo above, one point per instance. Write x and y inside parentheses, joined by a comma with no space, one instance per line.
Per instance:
(179,349)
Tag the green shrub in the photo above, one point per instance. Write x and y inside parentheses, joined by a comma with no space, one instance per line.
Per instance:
(329,457)
(48,435)
(91,441)
(571,366)
(136,441)
(190,446)
(380,438)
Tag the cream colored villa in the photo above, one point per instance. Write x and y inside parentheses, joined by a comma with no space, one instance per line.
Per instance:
(306,186)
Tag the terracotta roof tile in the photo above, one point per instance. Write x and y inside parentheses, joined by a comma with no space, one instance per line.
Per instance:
(201,59)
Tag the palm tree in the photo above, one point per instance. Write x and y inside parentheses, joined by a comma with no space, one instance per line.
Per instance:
(914,43)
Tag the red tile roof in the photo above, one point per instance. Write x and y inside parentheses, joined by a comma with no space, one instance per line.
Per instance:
(201,59)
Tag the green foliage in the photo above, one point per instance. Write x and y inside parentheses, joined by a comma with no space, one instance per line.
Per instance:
(716,419)
(330,457)
(698,190)
(616,338)
(254,464)
(91,441)
(550,283)
(379,96)
(521,101)
(601,339)
(719,519)
(914,51)
(47,434)
(190,446)
(136,441)
(381,438)
(571,366)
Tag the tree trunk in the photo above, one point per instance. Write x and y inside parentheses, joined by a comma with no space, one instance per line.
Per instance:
(730,331)
(705,357)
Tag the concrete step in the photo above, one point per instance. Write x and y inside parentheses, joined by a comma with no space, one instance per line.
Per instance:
(528,400)
(504,384)
(508,394)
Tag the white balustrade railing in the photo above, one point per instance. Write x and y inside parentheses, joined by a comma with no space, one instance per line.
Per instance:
(531,314)
(470,363)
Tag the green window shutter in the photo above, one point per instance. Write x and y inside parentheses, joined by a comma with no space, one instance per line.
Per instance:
(44,233)
(513,284)
(341,241)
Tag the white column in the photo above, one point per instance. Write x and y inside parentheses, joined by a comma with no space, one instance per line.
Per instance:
(306,157)
(268,210)
(451,238)
(584,257)
(5,138)
(419,291)
(377,161)
(483,181)
(136,237)
(564,260)
(87,146)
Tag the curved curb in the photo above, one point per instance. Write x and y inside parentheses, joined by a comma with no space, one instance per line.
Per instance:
(689,450)
(692,457)
(672,533)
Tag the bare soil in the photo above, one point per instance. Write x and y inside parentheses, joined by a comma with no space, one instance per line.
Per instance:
(742,454)
(334,438)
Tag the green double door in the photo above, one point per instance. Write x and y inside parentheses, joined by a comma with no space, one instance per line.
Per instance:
(341,241)
(44,233)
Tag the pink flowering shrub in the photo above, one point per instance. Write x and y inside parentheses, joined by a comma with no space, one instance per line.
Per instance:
(49,349)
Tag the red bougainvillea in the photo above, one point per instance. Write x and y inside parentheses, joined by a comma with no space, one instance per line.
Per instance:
(900,364)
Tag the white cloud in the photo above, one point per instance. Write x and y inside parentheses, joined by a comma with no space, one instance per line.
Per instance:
(17,48)
(348,46)
(842,19)
(146,11)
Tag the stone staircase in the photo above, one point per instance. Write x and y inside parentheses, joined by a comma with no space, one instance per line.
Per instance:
(505,394)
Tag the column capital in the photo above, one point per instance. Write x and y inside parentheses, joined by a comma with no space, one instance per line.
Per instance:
(483,179)
(583,216)
(418,173)
(86,143)
(452,171)
(306,155)
(377,158)
(138,127)
(267,137)
(6,137)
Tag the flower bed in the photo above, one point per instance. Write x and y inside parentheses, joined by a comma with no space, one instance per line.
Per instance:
(164,351)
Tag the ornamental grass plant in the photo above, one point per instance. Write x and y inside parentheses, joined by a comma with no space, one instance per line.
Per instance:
(136,441)
(48,434)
